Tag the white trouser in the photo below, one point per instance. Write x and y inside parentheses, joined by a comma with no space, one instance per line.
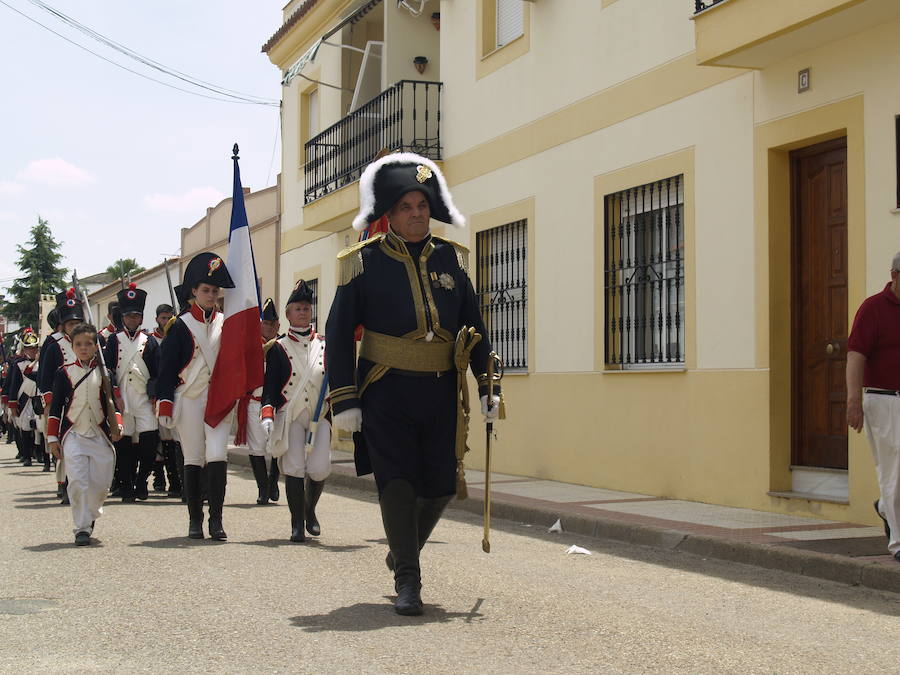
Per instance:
(140,416)
(61,470)
(295,462)
(256,437)
(89,467)
(882,420)
(201,443)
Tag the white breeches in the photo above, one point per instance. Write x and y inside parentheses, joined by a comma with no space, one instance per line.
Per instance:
(139,418)
(89,467)
(256,437)
(882,420)
(296,462)
(200,442)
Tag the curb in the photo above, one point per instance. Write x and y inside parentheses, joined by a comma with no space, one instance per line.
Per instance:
(844,570)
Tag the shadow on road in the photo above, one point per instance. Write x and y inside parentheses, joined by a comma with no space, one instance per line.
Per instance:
(51,503)
(178,542)
(366,616)
(309,543)
(250,506)
(59,546)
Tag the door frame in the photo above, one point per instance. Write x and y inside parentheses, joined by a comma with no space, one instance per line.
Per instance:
(795,156)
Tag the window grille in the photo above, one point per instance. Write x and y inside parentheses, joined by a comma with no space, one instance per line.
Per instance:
(502,289)
(510,21)
(644,276)
(314,287)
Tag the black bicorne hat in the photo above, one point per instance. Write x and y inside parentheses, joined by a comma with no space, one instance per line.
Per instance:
(112,307)
(183,295)
(207,268)
(301,293)
(69,307)
(53,318)
(132,299)
(269,312)
(387,179)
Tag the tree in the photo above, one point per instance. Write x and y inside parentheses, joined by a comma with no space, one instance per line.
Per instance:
(39,262)
(123,266)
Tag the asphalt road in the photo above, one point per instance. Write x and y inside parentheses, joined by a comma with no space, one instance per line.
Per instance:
(144,598)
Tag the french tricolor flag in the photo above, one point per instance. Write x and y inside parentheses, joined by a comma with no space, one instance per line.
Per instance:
(239,366)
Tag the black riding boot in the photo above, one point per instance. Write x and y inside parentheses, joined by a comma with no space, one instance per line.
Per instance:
(170,459)
(258,464)
(216,477)
(274,493)
(159,476)
(147,444)
(313,492)
(192,478)
(27,447)
(428,513)
(293,488)
(398,513)
(126,464)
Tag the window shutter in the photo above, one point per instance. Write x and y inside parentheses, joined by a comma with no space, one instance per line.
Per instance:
(510,21)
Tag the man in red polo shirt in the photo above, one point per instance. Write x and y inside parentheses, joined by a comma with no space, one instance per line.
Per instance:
(873,394)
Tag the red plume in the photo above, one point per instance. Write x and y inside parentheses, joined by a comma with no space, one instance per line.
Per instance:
(132,285)
(70,293)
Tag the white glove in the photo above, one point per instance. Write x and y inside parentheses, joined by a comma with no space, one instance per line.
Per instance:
(349,420)
(494,413)
(166,421)
(267,424)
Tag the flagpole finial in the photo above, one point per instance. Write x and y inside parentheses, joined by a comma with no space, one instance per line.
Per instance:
(235,151)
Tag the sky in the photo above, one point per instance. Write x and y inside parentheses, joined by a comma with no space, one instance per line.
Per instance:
(118,164)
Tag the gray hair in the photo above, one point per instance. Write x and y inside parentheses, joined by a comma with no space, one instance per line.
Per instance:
(895,265)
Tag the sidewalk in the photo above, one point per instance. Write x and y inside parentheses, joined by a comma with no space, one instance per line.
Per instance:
(843,552)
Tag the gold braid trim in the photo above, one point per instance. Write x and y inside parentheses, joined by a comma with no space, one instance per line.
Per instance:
(268,345)
(350,262)
(169,324)
(466,340)
(462,252)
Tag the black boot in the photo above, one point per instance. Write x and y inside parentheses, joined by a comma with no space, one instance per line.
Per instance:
(170,458)
(258,464)
(148,441)
(313,492)
(194,501)
(428,513)
(398,513)
(126,463)
(274,493)
(293,488)
(216,477)
(159,476)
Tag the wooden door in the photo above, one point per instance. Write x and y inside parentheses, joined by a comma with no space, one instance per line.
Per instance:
(819,304)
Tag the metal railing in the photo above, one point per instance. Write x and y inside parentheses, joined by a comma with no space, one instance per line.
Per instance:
(700,5)
(406,116)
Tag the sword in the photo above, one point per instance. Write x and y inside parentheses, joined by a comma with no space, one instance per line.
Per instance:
(314,423)
(494,374)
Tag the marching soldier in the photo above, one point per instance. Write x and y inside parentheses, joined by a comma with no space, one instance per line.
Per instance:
(114,317)
(172,462)
(55,335)
(22,391)
(411,292)
(188,358)
(70,313)
(265,468)
(132,358)
(292,404)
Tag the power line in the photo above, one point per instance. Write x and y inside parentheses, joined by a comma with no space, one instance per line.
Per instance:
(134,72)
(147,61)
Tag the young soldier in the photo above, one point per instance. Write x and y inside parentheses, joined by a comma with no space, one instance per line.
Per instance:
(77,429)
(412,294)
(22,391)
(55,335)
(294,387)
(265,471)
(70,313)
(189,354)
(114,317)
(169,461)
(133,360)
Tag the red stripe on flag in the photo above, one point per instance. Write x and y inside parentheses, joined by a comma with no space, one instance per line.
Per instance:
(239,366)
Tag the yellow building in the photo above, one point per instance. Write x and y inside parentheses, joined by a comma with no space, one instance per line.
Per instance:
(675,207)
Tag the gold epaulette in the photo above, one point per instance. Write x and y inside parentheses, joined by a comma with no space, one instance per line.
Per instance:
(350,263)
(169,324)
(462,252)
(268,345)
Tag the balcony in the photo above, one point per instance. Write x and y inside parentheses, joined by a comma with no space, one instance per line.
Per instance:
(759,33)
(406,116)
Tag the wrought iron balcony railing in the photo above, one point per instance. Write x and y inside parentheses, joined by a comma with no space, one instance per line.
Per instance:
(406,116)
(700,5)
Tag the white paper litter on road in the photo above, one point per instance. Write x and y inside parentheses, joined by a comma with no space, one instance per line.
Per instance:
(556,527)
(577,549)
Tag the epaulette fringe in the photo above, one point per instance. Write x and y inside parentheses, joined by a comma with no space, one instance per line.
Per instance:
(350,262)
(462,252)
(268,345)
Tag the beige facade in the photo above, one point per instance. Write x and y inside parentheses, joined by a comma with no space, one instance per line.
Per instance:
(210,233)
(596,98)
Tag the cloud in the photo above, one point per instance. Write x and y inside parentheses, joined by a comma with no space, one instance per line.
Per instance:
(10,188)
(197,199)
(55,171)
